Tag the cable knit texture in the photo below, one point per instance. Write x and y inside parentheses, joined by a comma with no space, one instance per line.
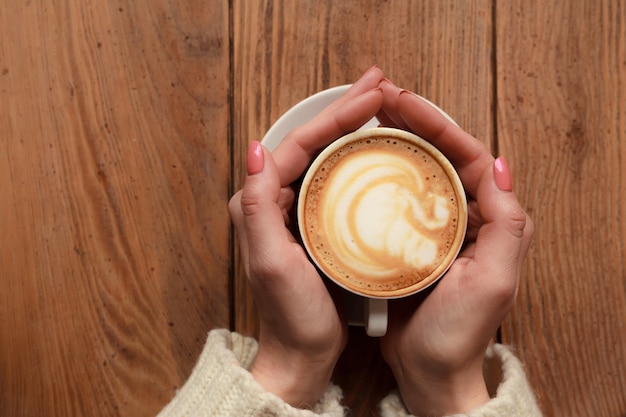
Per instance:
(221,386)
(513,397)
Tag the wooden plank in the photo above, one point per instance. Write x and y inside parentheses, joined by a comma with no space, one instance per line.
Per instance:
(561,74)
(114,123)
(287,50)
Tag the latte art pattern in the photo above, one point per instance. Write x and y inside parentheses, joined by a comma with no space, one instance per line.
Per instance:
(388,212)
(381,215)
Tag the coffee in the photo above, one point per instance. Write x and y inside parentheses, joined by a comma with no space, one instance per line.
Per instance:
(382,213)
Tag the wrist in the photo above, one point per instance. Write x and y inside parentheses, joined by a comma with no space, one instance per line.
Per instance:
(441,395)
(298,379)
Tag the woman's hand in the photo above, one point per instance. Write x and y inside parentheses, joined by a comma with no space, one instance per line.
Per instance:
(436,342)
(301,331)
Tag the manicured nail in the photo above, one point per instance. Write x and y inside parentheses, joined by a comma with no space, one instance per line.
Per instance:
(410,93)
(502,174)
(370,69)
(388,84)
(255,158)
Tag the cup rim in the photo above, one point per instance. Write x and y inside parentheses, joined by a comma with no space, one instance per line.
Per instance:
(440,270)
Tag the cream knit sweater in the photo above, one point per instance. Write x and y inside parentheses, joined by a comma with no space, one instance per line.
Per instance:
(220,385)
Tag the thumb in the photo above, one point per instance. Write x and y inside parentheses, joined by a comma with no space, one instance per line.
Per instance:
(504,238)
(260,187)
(262,222)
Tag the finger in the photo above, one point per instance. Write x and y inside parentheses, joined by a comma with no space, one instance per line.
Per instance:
(469,156)
(261,220)
(286,199)
(301,145)
(504,181)
(369,80)
(236,216)
(503,240)
(390,104)
(474,222)
(384,120)
(285,202)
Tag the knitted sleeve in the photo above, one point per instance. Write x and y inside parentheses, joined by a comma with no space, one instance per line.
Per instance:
(513,396)
(221,385)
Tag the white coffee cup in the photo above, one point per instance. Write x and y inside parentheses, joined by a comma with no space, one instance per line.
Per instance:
(363,309)
(383,214)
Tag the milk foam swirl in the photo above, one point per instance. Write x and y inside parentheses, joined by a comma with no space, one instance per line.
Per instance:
(381,216)
(377,209)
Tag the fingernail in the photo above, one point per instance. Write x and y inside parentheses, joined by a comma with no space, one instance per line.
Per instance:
(410,93)
(255,158)
(390,84)
(502,174)
(370,69)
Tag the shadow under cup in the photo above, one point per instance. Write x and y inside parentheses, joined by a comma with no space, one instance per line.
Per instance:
(383,214)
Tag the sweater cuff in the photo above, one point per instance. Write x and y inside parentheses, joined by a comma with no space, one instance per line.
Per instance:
(513,395)
(221,385)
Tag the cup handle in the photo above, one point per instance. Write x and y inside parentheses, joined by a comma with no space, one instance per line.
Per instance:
(375,317)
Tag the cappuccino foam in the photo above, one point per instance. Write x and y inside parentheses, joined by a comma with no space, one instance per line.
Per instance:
(381,216)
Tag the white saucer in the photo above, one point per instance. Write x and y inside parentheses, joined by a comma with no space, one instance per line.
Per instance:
(310,107)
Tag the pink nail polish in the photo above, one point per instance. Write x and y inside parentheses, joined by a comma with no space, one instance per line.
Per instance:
(255,158)
(502,174)
(409,93)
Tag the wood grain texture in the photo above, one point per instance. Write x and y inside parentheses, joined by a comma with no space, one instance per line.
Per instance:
(561,82)
(114,260)
(118,125)
(285,51)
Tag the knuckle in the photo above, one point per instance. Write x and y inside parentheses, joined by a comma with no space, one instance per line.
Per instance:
(517,221)
(249,203)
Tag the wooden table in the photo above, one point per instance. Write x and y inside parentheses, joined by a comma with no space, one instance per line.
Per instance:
(123,126)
